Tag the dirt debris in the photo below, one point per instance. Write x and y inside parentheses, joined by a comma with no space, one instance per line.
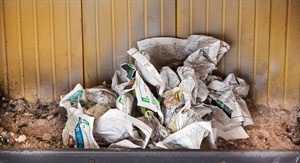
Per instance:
(30,125)
(272,129)
(39,126)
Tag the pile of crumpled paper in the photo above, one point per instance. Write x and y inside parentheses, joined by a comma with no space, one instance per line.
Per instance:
(168,98)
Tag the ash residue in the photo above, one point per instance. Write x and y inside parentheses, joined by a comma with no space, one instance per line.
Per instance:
(30,125)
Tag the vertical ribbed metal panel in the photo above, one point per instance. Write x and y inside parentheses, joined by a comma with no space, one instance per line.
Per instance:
(41,47)
(46,48)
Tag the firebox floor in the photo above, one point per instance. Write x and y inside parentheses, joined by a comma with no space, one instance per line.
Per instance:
(39,126)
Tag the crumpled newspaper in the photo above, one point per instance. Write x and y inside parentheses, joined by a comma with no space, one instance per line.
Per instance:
(164,51)
(230,82)
(97,110)
(234,107)
(120,81)
(169,77)
(73,97)
(144,97)
(197,51)
(79,126)
(213,48)
(159,132)
(179,120)
(188,85)
(101,94)
(147,70)
(191,137)
(227,96)
(115,126)
(78,131)
(125,102)
(192,87)
(200,63)
(174,51)
(152,105)
(172,103)
(222,125)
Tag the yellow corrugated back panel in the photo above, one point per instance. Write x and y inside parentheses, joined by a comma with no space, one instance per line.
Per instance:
(46,49)
(111,27)
(41,47)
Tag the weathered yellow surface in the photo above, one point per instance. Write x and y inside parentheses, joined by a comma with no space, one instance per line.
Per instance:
(169,18)
(75,58)
(28,41)
(3,65)
(183,20)
(121,32)
(45,50)
(231,36)
(215,27)
(14,52)
(48,46)
(277,53)
(292,91)
(247,40)
(42,57)
(105,41)
(198,15)
(262,51)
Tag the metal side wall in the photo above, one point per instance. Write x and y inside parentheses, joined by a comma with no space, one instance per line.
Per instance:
(41,48)
(47,46)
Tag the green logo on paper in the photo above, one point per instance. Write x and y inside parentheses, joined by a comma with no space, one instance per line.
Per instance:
(121,100)
(145,99)
(85,122)
(130,64)
(75,96)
